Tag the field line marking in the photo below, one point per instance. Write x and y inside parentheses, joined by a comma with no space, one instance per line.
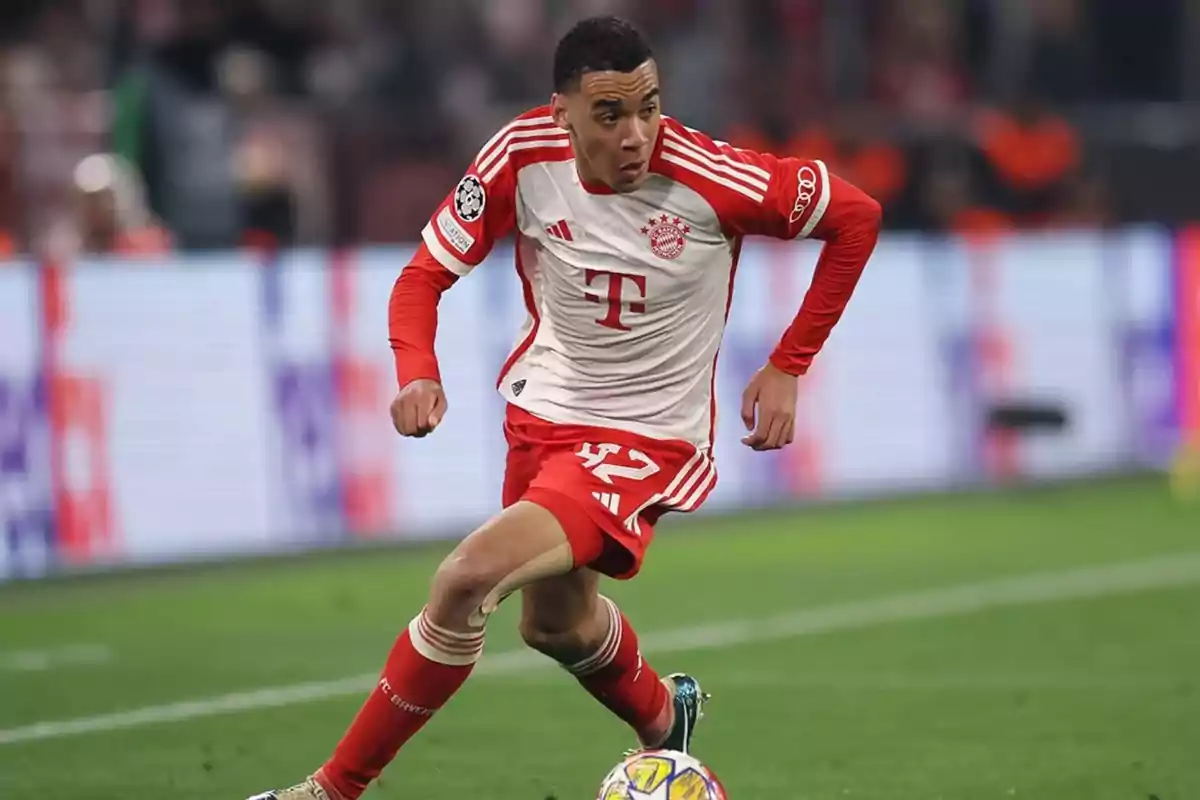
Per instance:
(67,655)
(1030,589)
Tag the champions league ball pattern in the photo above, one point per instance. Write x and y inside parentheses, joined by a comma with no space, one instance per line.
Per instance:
(660,775)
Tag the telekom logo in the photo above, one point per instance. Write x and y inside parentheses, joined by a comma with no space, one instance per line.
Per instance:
(615,297)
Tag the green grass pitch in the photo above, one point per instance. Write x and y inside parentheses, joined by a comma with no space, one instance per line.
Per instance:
(870,679)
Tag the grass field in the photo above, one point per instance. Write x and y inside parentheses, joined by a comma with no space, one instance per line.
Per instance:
(1034,644)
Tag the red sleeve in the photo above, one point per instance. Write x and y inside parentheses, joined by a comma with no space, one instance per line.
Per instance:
(850,227)
(413,316)
(479,211)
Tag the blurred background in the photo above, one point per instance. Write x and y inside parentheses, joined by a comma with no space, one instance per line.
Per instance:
(343,122)
(203,206)
(973,574)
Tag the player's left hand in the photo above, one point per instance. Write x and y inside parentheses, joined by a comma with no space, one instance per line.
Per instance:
(769,409)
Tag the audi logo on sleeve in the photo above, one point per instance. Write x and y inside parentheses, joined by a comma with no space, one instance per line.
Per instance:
(806,189)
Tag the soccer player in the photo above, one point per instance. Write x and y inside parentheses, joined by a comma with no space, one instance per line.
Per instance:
(628,226)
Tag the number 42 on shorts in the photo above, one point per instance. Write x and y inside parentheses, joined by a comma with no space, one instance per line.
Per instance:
(595,458)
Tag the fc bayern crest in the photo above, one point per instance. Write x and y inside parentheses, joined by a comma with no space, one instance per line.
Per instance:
(469,199)
(667,235)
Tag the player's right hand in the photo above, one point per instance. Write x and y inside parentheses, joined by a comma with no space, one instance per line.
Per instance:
(418,408)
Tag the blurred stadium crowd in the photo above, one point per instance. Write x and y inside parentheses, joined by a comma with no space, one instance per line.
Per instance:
(149,124)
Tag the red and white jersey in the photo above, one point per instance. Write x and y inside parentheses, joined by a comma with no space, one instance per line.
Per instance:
(627,294)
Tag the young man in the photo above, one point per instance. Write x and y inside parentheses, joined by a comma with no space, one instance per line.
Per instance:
(628,227)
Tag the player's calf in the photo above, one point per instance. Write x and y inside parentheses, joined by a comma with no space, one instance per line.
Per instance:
(435,654)
(568,620)
(563,617)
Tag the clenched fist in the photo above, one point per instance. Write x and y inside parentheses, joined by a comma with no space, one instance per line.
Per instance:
(418,408)
(769,409)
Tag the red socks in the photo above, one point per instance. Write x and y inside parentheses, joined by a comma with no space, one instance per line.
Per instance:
(618,677)
(428,664)
(426,667)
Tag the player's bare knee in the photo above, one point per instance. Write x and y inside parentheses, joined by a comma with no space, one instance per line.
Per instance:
(524,544)
(548,643)
(565,646)
(460,585)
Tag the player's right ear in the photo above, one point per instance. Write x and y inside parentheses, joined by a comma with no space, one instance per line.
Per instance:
(558,110)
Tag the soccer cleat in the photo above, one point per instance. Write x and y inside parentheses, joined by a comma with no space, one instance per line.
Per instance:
(689,703)
(309,790)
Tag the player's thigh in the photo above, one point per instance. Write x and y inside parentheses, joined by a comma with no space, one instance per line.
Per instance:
(560,603)
(522,544)
(614,501)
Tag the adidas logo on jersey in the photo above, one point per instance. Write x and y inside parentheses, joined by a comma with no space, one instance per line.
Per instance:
(610,500)
(561,231)
(518,387)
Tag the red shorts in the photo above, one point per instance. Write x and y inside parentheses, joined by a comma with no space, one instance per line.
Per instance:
(607,487)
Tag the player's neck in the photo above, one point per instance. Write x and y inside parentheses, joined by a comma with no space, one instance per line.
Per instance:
(588,179)
(590,183)
(594,185)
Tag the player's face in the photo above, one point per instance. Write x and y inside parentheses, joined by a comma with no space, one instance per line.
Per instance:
(613,118)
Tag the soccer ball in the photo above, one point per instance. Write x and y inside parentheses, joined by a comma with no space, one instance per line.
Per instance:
(660,775)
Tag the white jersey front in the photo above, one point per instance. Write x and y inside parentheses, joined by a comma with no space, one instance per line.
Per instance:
(627,294)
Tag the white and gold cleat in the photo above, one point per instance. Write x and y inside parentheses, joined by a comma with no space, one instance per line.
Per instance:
(309,790)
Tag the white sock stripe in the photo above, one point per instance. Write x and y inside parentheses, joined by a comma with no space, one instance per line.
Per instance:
(450,650)
(597,660)
(436,654)
(607,650)
(601,658)
(453,651)
(446,633)
(447,645)
(613,639)
(437,651)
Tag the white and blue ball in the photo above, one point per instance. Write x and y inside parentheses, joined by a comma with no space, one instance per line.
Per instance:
(661,775)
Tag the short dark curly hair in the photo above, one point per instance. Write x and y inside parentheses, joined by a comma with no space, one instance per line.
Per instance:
(597,44)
